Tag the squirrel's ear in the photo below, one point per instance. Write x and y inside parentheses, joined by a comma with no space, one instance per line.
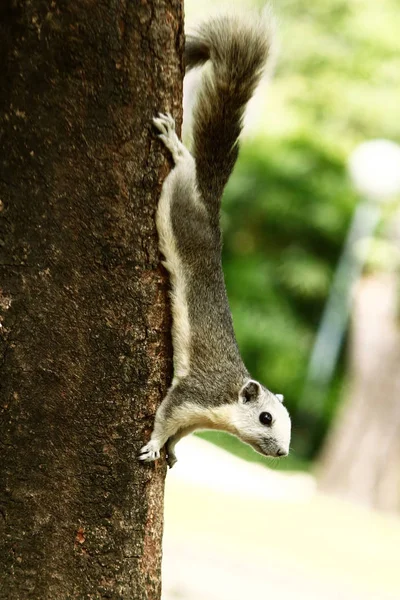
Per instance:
(250,391)
(280,397)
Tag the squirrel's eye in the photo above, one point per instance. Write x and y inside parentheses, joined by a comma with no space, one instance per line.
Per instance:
(266,418)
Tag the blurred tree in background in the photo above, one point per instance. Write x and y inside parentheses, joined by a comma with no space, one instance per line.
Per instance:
(289,203)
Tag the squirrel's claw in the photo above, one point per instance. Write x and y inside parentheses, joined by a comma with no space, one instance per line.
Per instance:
(149,452)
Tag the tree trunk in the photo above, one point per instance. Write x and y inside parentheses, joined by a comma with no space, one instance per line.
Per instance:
(361,460)
(85,354)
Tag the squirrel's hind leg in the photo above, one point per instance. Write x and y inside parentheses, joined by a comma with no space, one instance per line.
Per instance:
(179,189)
(166,126)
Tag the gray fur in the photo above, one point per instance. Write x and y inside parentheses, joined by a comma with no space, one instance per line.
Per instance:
(213,349)
(237,48)
(211,387)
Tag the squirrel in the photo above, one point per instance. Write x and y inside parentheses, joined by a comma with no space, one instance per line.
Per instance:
(211,387)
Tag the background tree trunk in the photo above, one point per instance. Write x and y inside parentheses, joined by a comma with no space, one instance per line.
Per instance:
(361,460)
(85,355)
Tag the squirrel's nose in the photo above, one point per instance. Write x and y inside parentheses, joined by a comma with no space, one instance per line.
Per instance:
(281,452)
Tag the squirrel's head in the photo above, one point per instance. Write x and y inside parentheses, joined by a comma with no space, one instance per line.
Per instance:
(262,420)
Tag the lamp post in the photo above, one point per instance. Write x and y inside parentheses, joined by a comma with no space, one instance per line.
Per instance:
(374,168)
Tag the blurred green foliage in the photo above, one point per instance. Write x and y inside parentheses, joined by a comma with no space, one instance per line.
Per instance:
(289,203)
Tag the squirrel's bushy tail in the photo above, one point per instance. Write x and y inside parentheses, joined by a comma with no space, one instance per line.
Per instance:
(235,48)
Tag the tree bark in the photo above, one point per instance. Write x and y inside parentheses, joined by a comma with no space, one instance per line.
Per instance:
(361,460)
(85,354)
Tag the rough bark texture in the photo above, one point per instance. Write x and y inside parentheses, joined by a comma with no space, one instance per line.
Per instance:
(85,355)
(361,460)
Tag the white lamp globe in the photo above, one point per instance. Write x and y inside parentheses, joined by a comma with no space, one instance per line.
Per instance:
(374,168)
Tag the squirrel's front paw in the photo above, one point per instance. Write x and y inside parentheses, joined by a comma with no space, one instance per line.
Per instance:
(150,451)
(171,459)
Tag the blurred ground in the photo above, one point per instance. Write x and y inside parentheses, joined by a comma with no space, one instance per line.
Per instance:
(235,531)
